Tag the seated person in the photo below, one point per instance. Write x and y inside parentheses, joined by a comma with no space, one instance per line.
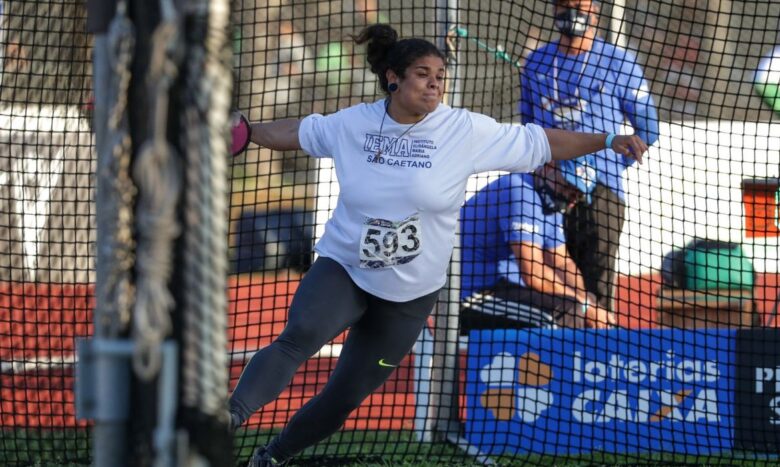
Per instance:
(515,268)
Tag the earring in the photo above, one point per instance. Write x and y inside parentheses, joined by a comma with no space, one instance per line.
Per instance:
(392,87)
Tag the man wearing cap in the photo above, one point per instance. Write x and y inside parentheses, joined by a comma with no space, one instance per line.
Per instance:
(514,252)
(582,83)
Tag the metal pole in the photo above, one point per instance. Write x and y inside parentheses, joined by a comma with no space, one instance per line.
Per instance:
(446,18)
(109,433)
(443,421)
(443,418)
(617,24)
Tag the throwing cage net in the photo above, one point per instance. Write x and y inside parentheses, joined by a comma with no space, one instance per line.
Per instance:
(688,374)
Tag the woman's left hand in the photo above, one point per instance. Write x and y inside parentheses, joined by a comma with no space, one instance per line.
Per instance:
(629,145)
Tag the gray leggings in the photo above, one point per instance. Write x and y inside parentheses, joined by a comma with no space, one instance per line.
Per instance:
(326,303)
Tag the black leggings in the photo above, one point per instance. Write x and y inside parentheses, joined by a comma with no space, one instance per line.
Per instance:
(326,303)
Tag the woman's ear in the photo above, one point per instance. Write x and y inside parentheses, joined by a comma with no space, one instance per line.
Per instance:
(391,76)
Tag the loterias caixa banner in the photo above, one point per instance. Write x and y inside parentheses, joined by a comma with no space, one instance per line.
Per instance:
(623,391)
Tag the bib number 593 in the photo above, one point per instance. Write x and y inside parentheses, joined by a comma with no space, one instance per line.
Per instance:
(386,243)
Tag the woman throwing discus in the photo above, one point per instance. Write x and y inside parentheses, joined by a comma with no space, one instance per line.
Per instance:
(402,164)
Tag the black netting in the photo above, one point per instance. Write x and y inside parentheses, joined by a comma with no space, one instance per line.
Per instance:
(656,390)
(47,229)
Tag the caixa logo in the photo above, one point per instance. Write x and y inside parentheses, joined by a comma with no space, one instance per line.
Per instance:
(768,382)
(504,399)
(633,390)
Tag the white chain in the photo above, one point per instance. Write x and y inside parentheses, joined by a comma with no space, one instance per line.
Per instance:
(207,100)
(157,172)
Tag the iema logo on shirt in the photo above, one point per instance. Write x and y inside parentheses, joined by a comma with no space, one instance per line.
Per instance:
(575,391)
(398,152)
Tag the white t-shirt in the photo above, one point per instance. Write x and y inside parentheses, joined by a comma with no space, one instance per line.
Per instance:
(393,228)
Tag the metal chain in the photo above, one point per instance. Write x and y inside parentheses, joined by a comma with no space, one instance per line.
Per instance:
(206,101)
(157,172)
(116,214)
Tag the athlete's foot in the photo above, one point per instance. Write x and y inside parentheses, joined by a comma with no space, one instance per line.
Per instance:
(261,458)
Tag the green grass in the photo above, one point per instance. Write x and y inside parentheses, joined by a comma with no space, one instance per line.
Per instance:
(46,448)
(378,448)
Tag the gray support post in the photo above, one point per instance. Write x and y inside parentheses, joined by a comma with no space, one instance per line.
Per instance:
(443,423)
(167,396)
(422,376)
(617,24)
(113,404)
(443,411)
(447,17)
(106,401)
(109,433)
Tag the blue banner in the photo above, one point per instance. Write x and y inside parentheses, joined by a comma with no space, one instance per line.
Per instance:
(620,391)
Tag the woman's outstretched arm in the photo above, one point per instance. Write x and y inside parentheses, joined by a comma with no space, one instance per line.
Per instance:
(571,144)
(279,135)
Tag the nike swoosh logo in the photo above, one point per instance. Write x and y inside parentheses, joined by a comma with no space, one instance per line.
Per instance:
(385,364)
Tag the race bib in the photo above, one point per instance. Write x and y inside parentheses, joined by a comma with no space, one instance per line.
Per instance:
(386,243)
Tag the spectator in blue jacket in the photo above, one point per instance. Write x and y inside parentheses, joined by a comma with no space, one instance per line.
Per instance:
(582,83)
